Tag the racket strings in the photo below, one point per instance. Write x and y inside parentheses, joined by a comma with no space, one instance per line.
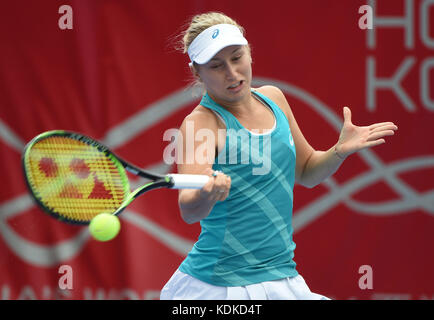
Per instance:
(75,180)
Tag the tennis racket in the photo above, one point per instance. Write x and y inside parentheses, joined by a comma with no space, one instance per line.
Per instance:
(74,178)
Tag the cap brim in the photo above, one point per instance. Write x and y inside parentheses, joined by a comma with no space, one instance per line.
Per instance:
(207,54)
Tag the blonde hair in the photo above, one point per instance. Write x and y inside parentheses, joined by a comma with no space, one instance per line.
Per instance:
(193,28)
(202,22)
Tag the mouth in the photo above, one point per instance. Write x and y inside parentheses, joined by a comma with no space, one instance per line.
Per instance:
(236,86)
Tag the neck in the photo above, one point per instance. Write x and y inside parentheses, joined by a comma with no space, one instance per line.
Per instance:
(239,107)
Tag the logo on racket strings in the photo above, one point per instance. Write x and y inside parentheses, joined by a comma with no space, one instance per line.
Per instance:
(80,179)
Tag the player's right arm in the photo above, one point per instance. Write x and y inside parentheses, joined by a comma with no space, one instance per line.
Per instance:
(198,141)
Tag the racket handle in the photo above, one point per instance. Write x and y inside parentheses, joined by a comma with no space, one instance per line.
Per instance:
(188,181)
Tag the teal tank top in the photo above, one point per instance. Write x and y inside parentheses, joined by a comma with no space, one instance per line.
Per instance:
(248,238)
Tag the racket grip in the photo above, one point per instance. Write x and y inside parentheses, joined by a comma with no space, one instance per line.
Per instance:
(188,181)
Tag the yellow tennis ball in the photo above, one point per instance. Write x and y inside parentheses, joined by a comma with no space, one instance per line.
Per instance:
(104,227)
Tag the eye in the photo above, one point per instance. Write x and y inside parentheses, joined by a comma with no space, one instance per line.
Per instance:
(236,58)
(215,66)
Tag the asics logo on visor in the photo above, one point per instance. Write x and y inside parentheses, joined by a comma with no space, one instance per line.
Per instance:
(215,33)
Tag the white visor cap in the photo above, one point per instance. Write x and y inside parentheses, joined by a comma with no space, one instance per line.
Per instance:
(212,40)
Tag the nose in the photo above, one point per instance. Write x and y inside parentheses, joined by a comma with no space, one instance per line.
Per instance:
(230,71)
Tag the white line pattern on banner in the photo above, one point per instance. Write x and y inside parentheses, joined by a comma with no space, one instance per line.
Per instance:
(10,138)
(53,254)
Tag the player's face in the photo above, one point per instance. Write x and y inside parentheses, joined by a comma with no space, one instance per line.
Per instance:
(227,76)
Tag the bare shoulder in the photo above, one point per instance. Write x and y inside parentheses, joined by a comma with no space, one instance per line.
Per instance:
(270,91)
(202,118)
(275,94)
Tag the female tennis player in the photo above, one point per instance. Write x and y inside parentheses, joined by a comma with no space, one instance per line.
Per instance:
(245,249)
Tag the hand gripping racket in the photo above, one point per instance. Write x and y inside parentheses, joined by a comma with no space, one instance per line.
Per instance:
(74,178)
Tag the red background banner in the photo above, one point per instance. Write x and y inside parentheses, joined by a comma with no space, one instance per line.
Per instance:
(115,76)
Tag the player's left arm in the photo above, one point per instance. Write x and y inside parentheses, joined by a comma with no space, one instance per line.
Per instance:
(314,166)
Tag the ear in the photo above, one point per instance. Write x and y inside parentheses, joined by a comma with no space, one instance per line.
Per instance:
(194,71)
(249,51)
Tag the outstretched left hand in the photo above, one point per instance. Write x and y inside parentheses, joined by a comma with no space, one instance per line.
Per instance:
(354,138)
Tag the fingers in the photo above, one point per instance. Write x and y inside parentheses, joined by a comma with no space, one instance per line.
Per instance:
(378,131)
(222,186)
(218,187)
(380,134)
(366,136)
(374,143)
(377,126)
(381,130)
(209,185)
(347,114)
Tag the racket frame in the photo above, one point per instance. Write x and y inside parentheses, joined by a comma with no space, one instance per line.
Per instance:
(158,181)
